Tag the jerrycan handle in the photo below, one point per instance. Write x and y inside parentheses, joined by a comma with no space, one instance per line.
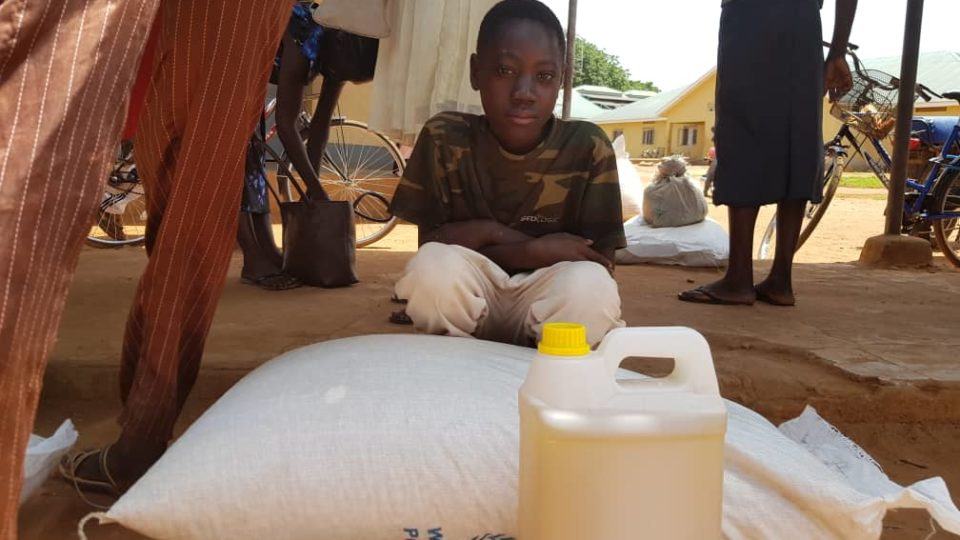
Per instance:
(693,364)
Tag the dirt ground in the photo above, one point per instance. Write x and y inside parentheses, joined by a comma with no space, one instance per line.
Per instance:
(874,351)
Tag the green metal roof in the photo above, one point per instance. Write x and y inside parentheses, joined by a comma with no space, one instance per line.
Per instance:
(938,70)
(649,108)
(581,108)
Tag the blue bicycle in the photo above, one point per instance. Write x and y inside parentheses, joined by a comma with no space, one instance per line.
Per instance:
(868,113)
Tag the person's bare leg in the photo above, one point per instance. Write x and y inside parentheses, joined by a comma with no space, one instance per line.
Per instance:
(263,232)
(777,289)
(262,261)
(736,286)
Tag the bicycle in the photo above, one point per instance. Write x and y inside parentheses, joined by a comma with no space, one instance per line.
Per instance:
(122,215)
(868,113)
(359,165)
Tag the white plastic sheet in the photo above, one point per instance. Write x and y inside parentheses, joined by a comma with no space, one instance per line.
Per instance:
(704,244)
(847,459)
(631,188)
(42,457)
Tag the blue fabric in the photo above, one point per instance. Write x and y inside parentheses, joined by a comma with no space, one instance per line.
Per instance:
(255,176)
(933,130)
(307,34)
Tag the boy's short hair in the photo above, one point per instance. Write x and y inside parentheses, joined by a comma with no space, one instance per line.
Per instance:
(512,10)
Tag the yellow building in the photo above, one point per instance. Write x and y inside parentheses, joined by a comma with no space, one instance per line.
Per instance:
(355,100)
(674,122)
(680,121)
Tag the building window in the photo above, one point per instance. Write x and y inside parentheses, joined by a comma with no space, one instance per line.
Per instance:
(648,136)
(688,136)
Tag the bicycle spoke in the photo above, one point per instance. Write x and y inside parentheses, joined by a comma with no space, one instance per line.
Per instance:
(369,183)
(342,152)
(358,162)
(369,209)
(362,165)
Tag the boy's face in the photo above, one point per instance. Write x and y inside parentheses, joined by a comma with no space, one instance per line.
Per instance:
(518,74)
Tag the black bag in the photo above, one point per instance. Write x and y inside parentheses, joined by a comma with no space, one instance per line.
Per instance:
(319,242)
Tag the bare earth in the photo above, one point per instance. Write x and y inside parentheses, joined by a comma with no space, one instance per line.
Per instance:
(876,352)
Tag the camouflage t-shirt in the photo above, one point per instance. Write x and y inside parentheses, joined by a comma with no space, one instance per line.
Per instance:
(458,171)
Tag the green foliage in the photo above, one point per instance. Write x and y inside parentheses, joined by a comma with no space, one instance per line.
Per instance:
(598,67)
(642,85)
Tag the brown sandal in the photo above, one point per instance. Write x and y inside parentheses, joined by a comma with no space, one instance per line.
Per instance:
(84,486)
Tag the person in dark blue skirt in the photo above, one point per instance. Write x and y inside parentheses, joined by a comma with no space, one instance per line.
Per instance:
(771,80)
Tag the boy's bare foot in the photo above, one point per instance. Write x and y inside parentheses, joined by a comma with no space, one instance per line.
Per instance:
(719,293)
(775,294)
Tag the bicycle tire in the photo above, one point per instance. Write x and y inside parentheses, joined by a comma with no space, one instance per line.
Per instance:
(831,176)
(121,217)
(947,199)
(350,189)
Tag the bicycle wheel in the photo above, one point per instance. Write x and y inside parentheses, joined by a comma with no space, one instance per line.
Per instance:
(947,199)
(811,215)
(122,216)
(362,167)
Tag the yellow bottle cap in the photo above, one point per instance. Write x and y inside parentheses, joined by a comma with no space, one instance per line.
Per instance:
(564,339)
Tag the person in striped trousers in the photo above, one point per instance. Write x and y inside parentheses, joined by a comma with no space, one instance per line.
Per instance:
(66,68)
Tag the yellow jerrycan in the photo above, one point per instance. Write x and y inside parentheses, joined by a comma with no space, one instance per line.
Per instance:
(609,456)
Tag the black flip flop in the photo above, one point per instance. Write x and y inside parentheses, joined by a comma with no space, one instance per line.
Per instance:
(701,295)
(400,317)
(274,282)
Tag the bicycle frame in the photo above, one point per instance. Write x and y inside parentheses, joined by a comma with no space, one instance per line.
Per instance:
(944,160)
(269,109)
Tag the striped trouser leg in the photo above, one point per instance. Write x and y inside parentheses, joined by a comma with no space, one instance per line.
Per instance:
(66,68)
(206,96)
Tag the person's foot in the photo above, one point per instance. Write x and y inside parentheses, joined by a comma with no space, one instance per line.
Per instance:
(400,317)
(277,281)
(105,471)
(719,293)
(771,292)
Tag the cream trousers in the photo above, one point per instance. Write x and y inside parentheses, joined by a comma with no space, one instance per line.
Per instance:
(452,290)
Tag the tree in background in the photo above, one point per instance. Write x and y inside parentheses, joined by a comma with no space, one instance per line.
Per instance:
(643,85)
(598,67)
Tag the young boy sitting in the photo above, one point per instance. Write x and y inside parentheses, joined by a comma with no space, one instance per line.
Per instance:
(518,212)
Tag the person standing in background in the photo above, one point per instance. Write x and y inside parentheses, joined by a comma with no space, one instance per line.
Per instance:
(771,79)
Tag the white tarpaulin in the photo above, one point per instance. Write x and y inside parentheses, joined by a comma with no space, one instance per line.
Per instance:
(42,457)
(703,244)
